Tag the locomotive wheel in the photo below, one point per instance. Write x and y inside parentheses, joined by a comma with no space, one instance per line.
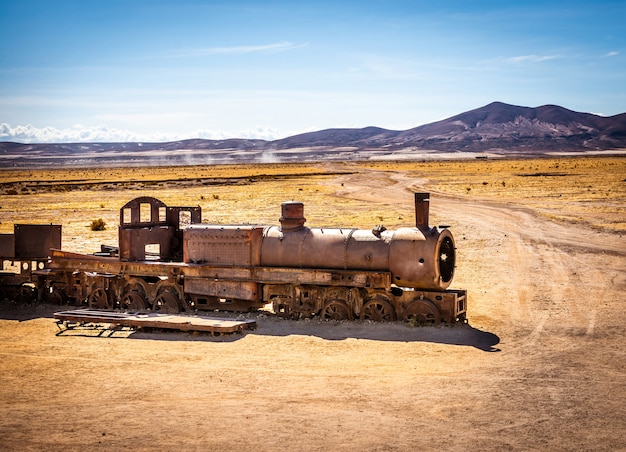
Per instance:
(336,310)
(99,299)
(137,285)
(422,312)
(26,295)
(378,310)
(133,301)
(166,303)
(56,297)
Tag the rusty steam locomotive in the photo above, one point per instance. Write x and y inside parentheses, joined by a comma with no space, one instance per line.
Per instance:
(164,265)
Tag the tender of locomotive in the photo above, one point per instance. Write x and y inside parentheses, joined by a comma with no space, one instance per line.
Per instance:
(334,273)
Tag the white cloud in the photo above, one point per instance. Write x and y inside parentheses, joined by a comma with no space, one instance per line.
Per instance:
(104,134)
(282,46)
(612,54)
(532,58)
(76,134)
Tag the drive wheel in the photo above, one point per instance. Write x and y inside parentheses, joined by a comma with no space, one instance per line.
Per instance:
(166,303)
(378,310)
(56,297)
(336,310)
(26,295)
(99,299)
(133,301)
(422,312)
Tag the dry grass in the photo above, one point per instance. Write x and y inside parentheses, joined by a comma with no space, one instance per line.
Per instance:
(31,178)
(227,194)
(566,189)
(590,190)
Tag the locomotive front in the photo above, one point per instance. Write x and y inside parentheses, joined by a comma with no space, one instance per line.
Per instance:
(422,259)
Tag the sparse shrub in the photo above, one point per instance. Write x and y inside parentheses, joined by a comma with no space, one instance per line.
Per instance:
(98,225)
(11,191)
(102,205)
(216,196)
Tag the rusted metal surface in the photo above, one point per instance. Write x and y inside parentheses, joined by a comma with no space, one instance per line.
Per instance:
(422,261)
(448,306)
(142,243)
(325,248)
(422,208)
(112,266)
(69,319)
(222,245)
(7,246)
(23,256)
(149,229)
(292,216)
(413,258)
(238,290)
(34,241)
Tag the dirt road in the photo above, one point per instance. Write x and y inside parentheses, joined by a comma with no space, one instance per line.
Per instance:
(540,366)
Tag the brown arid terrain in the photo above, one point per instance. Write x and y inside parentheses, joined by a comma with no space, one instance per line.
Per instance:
(540,364)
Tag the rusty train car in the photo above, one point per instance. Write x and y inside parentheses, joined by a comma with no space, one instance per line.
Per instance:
(167,260)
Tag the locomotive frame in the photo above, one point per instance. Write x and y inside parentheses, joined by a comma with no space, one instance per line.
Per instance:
(169,261)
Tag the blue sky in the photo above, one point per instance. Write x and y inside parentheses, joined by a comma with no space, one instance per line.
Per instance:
(165,70)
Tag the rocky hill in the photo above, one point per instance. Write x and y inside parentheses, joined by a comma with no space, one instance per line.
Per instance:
(497,128)
(502,126)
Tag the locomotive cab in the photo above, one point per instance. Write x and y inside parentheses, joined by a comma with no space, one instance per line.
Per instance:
(151,230)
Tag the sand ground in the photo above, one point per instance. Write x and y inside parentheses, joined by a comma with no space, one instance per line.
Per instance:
(539,366)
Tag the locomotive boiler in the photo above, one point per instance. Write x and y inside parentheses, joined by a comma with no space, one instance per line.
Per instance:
(298,271)
(420,257)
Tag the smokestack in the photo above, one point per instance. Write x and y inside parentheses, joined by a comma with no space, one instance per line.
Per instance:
(422,203)
(292,217)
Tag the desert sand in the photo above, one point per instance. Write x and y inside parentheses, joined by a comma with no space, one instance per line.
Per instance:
(539,366)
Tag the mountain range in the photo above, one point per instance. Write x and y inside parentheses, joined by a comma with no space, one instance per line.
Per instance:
(496,126)
(496,129)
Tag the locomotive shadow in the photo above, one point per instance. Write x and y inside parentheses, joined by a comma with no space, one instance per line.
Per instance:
(462,335)
(10,310)
(269,325)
